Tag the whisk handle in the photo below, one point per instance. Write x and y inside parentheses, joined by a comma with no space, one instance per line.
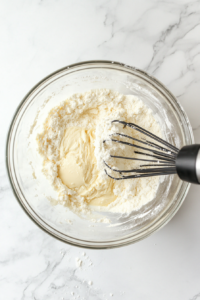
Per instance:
(188,163)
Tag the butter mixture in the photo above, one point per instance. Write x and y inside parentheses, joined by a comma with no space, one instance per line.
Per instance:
(78,167)
(74,153)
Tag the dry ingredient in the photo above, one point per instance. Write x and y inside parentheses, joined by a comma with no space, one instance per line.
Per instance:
(74,153)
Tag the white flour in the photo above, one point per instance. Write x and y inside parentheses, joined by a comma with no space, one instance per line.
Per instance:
(90,115)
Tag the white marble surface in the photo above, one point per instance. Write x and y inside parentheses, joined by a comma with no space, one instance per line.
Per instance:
(40,36)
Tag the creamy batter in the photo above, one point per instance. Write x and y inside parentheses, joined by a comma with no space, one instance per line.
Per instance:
(78,167)
(73,150)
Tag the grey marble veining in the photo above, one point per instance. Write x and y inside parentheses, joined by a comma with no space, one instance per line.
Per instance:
(38,37)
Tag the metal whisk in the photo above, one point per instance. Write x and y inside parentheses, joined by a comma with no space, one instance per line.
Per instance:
(157,157)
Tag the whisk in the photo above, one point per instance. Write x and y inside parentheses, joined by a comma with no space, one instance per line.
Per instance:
(156,157)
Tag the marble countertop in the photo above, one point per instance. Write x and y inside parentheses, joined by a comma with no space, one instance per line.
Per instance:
(39,37)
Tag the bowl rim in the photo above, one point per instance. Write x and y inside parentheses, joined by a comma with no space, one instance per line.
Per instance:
(104,244)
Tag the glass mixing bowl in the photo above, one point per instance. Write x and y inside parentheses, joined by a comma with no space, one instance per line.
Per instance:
(32,189)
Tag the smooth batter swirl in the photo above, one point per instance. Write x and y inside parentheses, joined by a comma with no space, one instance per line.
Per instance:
(78,167)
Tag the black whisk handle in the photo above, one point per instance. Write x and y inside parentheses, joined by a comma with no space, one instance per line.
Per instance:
(188,163)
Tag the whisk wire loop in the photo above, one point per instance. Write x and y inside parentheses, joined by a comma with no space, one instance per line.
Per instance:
(162,156)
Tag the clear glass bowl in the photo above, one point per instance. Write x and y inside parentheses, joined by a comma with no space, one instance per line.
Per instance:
(23,160)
